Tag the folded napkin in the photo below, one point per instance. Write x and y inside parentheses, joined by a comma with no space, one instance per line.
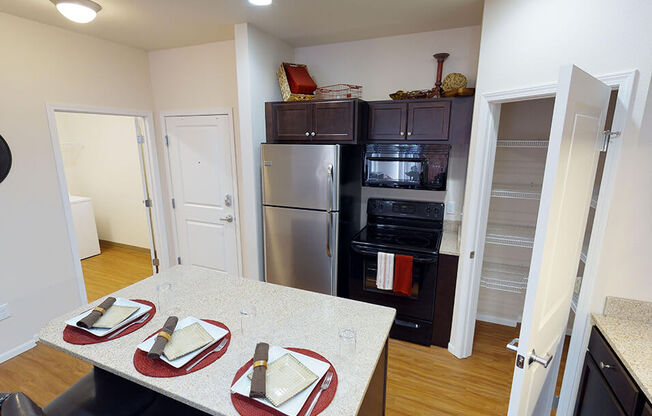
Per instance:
(385,271)
(163,337)
(403,274)
(91,318)
(258,384)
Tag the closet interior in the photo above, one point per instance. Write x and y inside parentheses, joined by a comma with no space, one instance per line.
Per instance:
(523,132)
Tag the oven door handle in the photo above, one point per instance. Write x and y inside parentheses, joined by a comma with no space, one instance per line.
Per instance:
(420,259)
(396,159)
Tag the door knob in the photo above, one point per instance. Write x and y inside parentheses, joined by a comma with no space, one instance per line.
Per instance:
(228,218)
(534,358)
(512,345)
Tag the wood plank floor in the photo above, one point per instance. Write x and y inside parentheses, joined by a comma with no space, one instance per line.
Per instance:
(420,380)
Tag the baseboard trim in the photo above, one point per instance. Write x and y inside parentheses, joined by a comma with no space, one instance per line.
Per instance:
(18,350)
(137,249)
(496,320)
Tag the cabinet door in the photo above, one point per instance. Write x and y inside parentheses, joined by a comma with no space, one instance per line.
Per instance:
(387,121)
(428,120)
(595,396)
(647,410)
(288,122)
(333,121)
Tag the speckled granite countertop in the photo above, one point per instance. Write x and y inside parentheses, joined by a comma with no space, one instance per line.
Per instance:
(450,243)
(285,316)
(627,326)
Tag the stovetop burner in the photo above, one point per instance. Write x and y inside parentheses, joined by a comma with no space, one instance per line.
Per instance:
(405,238)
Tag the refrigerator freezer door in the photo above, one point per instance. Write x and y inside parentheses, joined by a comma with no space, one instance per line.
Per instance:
(301,248)
(301,176)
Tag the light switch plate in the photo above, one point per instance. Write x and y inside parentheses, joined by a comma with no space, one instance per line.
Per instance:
(4,311)
(450,207)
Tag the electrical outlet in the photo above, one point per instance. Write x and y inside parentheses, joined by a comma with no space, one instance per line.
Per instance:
(4,311)
(450,207)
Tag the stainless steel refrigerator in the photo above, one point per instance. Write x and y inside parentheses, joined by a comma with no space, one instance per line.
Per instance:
(311,209)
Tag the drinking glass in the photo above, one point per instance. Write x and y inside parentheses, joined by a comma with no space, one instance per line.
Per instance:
(347,342)
(247,320)
(166,301)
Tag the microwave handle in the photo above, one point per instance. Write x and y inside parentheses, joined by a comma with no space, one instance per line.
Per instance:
(375,252)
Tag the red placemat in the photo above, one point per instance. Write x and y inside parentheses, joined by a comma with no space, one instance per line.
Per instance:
(159,368)
(80,337)
(250,407)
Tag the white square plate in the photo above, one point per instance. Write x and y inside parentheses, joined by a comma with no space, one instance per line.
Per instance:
(293,406)
(215,331)
(100,332)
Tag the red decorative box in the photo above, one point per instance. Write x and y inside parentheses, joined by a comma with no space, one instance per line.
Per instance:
(299,79)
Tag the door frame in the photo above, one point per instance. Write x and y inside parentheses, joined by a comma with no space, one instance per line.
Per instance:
(476,211)
(218,111)
(153,173)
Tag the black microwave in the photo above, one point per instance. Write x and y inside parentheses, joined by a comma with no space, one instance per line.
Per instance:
(412,166)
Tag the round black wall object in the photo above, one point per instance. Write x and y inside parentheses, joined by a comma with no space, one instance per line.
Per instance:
(5,159)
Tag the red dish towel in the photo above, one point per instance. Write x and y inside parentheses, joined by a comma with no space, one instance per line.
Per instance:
(403,274)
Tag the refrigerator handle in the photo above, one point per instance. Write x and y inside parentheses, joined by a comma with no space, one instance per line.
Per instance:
(329,226)
(329,189)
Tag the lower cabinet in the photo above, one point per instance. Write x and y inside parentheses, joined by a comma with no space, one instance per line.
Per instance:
(606,388)
(595,396)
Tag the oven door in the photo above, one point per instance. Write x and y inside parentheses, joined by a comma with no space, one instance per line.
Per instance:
(362,282)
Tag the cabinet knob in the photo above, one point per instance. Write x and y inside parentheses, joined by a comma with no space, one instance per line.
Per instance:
(603,365)
(312,134)
(402,134)
(307,134)
(409,133)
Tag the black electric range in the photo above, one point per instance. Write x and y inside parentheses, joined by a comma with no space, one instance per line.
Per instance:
(412,228)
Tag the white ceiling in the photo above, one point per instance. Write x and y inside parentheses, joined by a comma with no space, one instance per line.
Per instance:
(160,24)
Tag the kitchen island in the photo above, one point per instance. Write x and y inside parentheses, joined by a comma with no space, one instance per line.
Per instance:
(285,316)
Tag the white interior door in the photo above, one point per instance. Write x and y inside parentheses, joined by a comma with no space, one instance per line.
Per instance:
(575,141)
(201,171)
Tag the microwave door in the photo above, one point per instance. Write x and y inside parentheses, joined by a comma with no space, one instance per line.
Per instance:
(396,171)
(301,176)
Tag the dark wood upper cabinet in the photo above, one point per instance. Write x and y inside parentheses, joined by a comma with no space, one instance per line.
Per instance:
(333,121)
(428,120)
(337,121)
(387,121)
(425,121)
(289,121)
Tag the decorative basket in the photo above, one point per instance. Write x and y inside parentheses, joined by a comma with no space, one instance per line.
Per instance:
(338,91)
(285,86)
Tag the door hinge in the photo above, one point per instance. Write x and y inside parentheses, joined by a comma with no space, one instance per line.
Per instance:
(148,203)
(140,139)
(174,204)
(606,135)
(472,255)
(179,260)
(156,262)
(167,140)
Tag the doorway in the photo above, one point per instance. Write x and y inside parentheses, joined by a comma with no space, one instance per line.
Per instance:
(109,189)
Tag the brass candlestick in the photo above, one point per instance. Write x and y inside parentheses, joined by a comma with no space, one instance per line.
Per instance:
(440,57)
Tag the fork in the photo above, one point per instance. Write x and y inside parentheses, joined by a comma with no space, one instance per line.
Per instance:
(120,331)
(324,385)
(216,349)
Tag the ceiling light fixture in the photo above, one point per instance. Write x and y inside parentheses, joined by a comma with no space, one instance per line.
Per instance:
(79,11)
(260,2)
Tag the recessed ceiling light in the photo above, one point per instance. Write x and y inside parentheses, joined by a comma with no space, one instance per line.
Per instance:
(260,2)
(80,11)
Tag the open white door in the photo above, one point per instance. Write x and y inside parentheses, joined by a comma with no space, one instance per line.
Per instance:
(203,184)
(575,141)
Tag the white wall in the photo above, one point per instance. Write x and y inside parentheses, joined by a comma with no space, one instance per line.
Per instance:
(101,161)
(523,44)
(405,62)
(258,56)
(384,65)
(43,64)
(200,77)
